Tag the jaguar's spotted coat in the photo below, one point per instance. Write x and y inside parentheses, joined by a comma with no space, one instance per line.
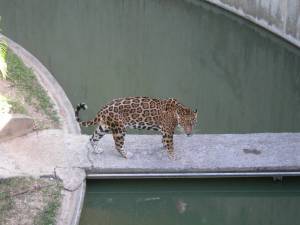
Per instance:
(142,113)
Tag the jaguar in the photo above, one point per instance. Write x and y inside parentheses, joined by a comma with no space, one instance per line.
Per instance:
(162,115)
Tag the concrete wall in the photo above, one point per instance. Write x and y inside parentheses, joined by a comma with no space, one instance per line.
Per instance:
(279,16)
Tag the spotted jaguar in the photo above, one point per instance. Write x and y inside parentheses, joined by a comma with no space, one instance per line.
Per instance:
(162,115)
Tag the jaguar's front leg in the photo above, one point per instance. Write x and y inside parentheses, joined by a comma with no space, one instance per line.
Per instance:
(163,142)
(168,143)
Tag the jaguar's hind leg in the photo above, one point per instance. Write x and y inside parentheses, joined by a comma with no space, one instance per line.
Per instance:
(97,135)
(118,135)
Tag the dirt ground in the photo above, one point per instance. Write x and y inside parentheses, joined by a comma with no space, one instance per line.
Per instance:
(28,201)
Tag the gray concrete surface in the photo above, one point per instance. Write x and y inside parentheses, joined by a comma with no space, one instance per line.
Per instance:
(281,17)
(14,125)
(66,156)
(201,153)
(45,153)
(52,152)
(55,153)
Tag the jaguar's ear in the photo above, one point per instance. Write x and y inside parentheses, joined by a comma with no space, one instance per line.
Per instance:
(172,101)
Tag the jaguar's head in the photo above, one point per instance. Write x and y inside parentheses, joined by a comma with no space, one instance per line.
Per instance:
(187,119)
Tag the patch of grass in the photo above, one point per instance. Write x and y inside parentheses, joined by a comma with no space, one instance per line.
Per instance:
(17,107)
(8,105)
(48,214)
(25,200)
(26,82)
(7,187)
(6,204)
(41,125)
(3,50)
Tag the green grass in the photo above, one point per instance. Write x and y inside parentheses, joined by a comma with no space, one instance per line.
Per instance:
(3,65)
(7,187)
(48,214)
(17,107)
(19,196)
(6,203)
(27,84)
(8,105)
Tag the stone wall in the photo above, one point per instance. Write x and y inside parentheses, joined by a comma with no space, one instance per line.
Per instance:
(281,17)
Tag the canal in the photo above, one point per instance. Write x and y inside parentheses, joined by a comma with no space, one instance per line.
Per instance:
(250,201)
(241,78)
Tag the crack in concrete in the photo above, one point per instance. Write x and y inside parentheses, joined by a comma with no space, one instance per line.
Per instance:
(3,168)
(73,189)
(251,151)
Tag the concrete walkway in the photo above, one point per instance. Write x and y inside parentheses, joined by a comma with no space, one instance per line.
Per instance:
(65,156)
(55,153)
(50,153)
(201,154)
(46,153)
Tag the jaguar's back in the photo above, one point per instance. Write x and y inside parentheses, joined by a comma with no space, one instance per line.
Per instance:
(133,112)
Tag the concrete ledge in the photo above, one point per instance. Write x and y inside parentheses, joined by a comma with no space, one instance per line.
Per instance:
(71,206)
(14,125)
(227,154)
(67,155)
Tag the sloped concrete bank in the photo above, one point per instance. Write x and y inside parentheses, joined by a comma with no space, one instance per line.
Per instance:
(49,83)
(73,178)
(281,17)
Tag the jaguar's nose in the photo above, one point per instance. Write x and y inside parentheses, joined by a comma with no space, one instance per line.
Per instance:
(188,130)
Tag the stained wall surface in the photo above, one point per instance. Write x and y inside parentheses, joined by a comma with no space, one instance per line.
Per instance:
(279,16)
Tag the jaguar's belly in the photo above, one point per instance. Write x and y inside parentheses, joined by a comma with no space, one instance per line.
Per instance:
(143,126)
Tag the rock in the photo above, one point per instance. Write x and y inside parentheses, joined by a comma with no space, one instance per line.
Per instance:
(72,177)
(14,125)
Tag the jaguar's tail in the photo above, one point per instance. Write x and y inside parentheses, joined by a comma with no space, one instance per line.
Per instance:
(87,123)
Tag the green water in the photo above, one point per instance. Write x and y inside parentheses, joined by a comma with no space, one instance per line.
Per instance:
(239,77)
(197,202)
